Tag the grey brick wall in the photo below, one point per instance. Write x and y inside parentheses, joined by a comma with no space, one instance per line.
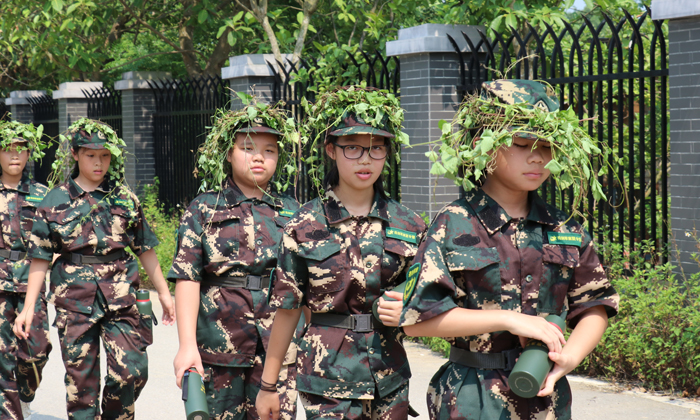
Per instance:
(138,107)
(261,86)
(70,110)
(428,94)
(22,113)
(684,104)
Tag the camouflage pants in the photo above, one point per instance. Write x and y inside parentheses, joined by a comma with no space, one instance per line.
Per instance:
(460,392)
(18,358)
(231,391)
(393,406)
(125,335)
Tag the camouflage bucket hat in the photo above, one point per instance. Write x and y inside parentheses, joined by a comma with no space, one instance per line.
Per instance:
(350,123)
(256,126)
(81,138)
(536,94)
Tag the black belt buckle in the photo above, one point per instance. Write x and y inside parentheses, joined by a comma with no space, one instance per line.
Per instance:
(14,255)
(254,283)
(76,258)
(363,323)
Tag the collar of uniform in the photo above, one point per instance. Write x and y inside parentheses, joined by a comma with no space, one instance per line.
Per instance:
(493,217)
(76,191)
(234,196)
(539,212)
(22,187)
(336,211)
(489,212)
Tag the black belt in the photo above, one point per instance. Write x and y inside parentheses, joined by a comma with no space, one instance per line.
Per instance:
(361,323)
(12,255)
(504,360)
(93,259)
(247,282)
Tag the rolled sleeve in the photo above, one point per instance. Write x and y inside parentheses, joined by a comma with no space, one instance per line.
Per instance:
(42,242)
(435,291)
(290,277)
(590,286)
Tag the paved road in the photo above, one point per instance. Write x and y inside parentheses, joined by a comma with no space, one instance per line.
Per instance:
(593,400)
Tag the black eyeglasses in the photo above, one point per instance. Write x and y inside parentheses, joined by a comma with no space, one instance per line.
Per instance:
(352,151)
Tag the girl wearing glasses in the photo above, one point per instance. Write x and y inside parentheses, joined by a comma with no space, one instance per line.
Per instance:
(339,254)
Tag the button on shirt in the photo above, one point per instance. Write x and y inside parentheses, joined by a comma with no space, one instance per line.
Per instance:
(225,234)
(336,263)
(71,220)
(17,210)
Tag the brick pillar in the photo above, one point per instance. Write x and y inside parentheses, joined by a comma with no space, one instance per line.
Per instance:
(72,103)
(684,104)
(19,106)
(429,78)
(250,74)
(138,107)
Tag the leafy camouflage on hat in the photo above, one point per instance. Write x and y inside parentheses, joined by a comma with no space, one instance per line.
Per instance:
(523,91)
(350,123)
(15,132)
(518,91)
(81,138)
(257,126)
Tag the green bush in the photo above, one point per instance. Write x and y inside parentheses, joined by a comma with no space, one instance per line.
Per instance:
(655,337)
(164,224)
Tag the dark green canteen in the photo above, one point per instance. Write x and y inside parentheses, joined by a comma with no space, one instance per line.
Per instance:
(196,407)
(533,365)
(143,302)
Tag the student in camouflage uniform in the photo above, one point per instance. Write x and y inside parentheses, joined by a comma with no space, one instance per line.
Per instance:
(21,361)
(339,254)
(227,247)
(494,263)
(91,221)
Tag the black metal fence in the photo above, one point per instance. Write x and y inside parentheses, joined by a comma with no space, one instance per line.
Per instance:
(616,72)
(45,112)
(184,108)
(105,104)
(294,81)
(4,111)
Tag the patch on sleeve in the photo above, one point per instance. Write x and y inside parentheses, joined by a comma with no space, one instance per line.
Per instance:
(403,235)
(125,203)
(556,238)
(412,279)
(286,213)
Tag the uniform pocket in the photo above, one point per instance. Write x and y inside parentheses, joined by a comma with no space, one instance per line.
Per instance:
(477,272)
(221,242)
(559,262)
(327,266)
(146,330)
(397,255)
(27,220)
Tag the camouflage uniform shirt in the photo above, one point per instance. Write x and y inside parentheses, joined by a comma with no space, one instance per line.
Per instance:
(71,220)
(227,234)
(337,263)
(475,256)
(17,209)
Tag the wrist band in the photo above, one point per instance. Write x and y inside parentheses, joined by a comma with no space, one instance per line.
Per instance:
(268,387)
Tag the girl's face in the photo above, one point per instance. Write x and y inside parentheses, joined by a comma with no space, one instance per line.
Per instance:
(358,173)
(93,164)
(13,161)
(253,159)
(519,167)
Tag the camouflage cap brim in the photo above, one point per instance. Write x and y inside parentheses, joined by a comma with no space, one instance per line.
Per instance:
(361,129)
(93,146)
(18,140)
(258,130)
